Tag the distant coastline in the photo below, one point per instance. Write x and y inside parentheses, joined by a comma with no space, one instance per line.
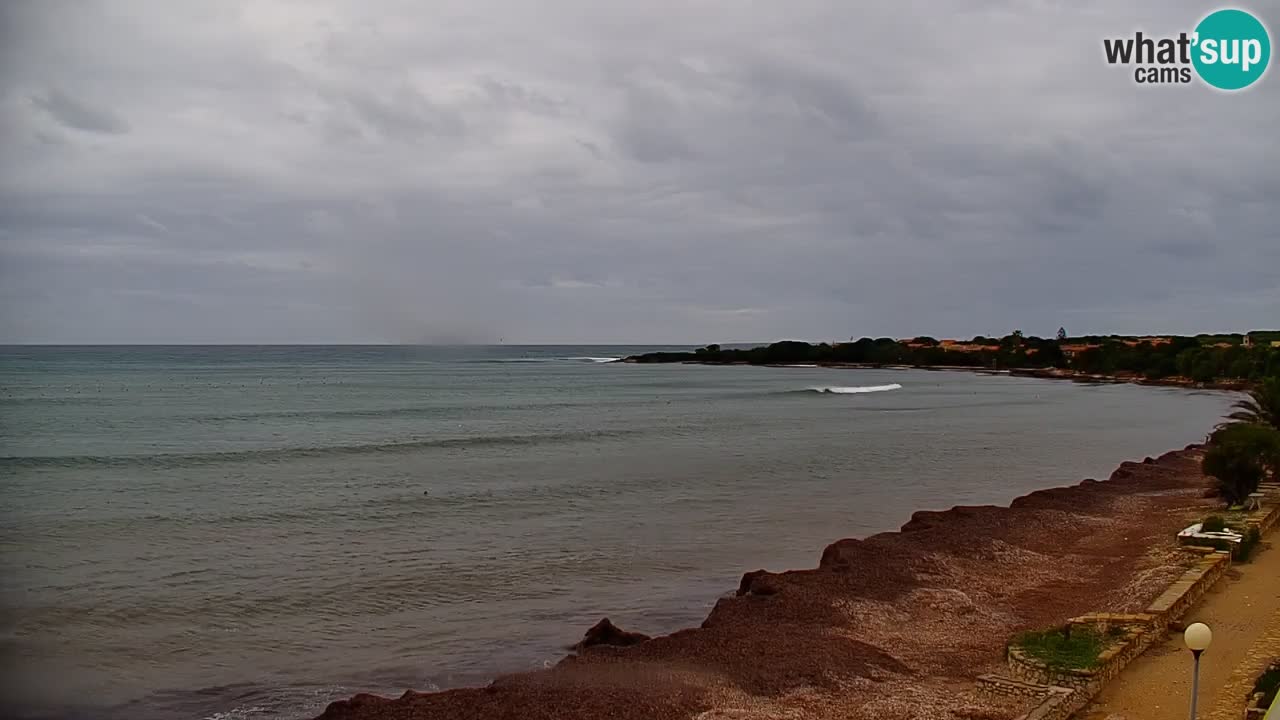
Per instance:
(1216,362)
(1229,384)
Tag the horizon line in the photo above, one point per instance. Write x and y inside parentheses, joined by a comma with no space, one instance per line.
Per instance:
(561,344)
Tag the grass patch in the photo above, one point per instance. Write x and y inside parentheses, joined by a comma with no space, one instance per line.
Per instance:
(1056,648)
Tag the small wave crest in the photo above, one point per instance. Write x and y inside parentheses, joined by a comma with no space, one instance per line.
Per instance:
(853,390)
(275,454)
(552,360)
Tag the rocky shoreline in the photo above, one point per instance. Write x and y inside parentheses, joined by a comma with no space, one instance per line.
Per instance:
(1176,381)
(1044,373)
(896,625)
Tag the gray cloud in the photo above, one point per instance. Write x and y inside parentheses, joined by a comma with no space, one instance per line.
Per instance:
(79,115)
(659,172)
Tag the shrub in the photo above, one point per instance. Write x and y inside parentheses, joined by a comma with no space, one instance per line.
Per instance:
(1237,471)
(1268,684)
(1259,441)
(1213,523)
(1245,548)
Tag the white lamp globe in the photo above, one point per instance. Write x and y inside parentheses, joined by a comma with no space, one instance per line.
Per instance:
(1197,636)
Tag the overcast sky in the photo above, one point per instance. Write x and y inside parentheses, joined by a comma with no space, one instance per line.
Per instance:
(632,172)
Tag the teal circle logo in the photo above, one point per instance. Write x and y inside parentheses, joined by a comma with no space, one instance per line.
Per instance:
(1232,49)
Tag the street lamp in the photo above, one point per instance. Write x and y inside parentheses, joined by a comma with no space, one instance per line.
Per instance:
(1197,637)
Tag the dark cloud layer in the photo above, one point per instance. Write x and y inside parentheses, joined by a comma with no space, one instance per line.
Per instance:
(344,171)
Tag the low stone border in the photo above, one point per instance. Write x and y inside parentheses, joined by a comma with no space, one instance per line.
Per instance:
(1058,704)
(1055,703)
(1265,518)
(1139,631)
(1178,598)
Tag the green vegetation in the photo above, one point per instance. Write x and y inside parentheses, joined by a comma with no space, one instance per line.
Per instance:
(1237,473)
(1245,548)
(1239,457)
(1268,684)
(1243,452)
(1063,648)
(1213,523)
(1199,359)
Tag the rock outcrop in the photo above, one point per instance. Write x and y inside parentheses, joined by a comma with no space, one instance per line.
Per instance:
(606,633)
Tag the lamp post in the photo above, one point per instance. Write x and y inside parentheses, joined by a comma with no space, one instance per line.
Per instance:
(1197,637)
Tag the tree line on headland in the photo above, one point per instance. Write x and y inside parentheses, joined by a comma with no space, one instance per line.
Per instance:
(1200,359)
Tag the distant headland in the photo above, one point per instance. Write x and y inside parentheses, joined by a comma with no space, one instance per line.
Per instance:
(1228,361)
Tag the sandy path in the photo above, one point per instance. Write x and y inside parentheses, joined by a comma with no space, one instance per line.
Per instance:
(1158,684)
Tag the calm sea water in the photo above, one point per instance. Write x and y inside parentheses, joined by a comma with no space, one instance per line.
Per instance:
(198,532)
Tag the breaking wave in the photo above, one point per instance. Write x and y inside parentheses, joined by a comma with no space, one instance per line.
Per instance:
(552,360)
(853,390)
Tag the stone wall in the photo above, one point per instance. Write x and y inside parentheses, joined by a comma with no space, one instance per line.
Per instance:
(1265,518)
(1001,686)
(1055,703)
(1058,704)
(1175,601)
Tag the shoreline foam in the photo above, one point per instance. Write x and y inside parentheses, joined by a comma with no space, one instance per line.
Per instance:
(896,625)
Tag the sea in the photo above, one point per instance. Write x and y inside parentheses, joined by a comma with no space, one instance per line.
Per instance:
(252,532)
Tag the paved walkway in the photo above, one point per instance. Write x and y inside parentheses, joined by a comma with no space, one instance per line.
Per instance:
(1242,608)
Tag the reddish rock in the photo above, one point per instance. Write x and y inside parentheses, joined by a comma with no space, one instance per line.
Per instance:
(757,582)
(606,633)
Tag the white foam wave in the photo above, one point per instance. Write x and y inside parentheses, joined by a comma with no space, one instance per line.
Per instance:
(845,390)
(557,359)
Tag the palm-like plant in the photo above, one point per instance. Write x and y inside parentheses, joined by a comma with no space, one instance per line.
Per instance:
(1262,407)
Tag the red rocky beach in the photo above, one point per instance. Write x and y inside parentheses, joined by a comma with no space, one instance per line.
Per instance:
(896,625)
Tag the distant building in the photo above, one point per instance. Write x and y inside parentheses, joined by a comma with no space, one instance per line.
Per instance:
(967,347)
(1248,341)
(1275,343)
(1072,349)
(1134,342)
